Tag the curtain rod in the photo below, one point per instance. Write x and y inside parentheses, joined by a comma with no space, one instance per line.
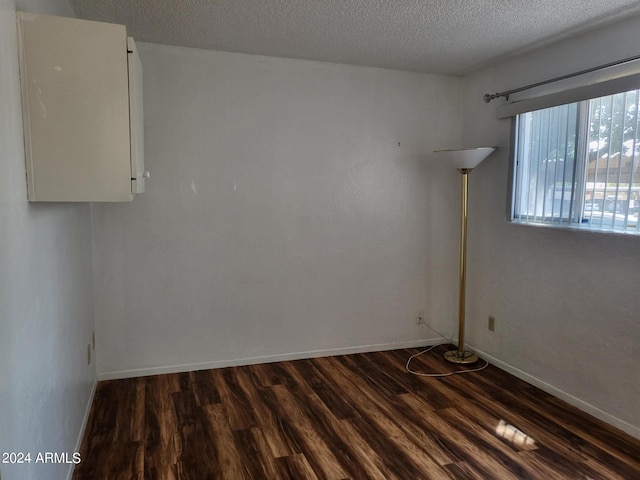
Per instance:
(488,97)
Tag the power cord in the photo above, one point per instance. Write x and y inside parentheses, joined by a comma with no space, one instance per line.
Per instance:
(447,374)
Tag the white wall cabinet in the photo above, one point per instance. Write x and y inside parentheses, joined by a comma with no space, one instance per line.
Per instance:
(82,110)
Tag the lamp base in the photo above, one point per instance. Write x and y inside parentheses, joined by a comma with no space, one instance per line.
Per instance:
(464,358)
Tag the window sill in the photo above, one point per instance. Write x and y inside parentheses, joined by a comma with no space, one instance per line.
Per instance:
(585,227)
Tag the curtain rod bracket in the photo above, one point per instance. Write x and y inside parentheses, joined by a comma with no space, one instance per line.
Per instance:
(488,97)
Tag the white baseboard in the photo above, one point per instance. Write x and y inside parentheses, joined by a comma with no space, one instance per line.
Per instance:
(626,427)
(83,426)
(142,372)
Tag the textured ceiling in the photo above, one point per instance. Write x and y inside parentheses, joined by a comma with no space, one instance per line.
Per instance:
(436,36)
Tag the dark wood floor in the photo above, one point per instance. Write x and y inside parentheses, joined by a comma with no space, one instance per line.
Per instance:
(347,417)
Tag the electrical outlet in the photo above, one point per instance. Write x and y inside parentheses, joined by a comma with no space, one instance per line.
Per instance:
(492,323)
(420,318)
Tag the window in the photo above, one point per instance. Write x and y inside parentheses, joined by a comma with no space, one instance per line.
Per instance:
(576,165)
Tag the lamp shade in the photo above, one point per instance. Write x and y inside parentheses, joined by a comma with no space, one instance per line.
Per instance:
(464,158)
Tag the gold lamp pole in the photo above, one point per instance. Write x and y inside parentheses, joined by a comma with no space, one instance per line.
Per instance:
(463,160)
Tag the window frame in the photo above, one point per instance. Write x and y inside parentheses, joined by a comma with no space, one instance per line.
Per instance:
(579,180)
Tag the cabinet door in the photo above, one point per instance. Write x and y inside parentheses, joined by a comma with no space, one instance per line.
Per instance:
(136,116)
(75,109)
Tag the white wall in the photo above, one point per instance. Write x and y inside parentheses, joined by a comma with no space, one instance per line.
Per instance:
(290,212)
(46,295)
(567,303)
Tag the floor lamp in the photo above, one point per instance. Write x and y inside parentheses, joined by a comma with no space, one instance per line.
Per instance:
(464,160)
